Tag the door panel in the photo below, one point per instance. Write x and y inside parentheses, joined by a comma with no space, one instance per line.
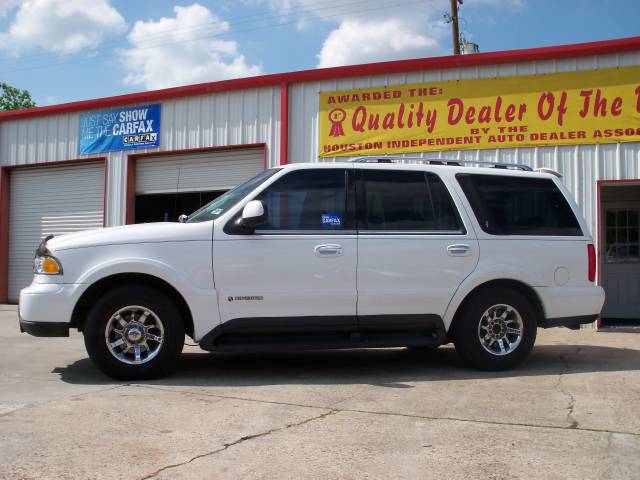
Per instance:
(621,260)
(410,274)
(413,249)
(300,262)
(286,277)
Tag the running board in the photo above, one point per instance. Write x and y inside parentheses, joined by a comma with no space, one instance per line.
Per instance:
(315,333)
(227,343)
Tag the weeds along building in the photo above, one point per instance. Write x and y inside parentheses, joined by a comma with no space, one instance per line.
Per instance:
(151,156)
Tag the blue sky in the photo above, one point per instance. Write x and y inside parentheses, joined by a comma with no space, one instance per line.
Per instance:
(66,50)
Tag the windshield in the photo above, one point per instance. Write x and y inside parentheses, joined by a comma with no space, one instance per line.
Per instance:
(224,202)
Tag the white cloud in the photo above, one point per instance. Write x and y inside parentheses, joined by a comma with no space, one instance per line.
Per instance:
(63,26)
(364,42)
(183,56)
(6,5)
(372,31)
(379,30)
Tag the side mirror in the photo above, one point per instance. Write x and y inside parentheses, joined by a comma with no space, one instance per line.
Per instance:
(253,214)
(183,218)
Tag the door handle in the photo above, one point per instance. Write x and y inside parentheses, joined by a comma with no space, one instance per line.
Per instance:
(330,250)
(459,250)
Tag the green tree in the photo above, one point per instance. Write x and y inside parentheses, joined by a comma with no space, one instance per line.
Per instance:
(12,98)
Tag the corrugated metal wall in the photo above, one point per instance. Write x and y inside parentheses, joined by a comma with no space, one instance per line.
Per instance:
(580,165)
(253,116)
(229,118)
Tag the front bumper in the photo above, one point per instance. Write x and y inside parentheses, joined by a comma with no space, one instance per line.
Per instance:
(44,309)
(44,329)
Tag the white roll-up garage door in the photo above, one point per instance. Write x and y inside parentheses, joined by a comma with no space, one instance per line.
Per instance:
(197,172)
(50,200)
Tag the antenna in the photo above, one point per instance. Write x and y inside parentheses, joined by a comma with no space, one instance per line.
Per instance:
(467,47)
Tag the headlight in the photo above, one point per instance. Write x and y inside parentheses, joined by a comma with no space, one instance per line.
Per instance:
(46,265)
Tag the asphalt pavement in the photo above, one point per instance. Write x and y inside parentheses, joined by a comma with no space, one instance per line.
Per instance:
(572,411)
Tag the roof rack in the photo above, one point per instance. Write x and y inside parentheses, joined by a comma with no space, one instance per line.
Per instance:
(441,161)
(549,170)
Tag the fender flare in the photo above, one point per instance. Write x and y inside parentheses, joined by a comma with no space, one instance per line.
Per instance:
(198,299)
(492,273)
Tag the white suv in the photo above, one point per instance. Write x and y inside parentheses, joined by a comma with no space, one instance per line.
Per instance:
(344,255)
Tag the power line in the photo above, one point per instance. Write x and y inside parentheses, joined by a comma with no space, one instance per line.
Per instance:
(279,24)
(234,21)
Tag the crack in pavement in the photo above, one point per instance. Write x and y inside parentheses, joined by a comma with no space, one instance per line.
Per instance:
(607,472)
(573,423)
(350,397)
(398,414)
(239,441)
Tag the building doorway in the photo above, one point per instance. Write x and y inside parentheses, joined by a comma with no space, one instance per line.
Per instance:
(167,207)
(620,253)
(164,185)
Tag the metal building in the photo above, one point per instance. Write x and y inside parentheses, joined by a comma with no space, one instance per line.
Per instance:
(215,135)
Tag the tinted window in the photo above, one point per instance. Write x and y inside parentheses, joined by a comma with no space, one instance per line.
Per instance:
(306,200)
(519,206)
(405,201)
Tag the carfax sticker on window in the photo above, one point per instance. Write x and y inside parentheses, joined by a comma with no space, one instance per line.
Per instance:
(331,220)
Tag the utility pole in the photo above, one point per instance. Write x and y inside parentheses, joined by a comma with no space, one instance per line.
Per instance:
(454,26)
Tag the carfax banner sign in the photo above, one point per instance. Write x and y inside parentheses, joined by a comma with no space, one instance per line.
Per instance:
(125,128)
(600,106)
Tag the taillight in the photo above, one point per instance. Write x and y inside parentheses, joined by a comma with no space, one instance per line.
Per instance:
(591,251)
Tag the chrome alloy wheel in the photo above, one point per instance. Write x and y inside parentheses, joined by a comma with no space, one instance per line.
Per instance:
(134,335)
(500,329)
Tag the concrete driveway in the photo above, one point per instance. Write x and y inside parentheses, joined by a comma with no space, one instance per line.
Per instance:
(571,411)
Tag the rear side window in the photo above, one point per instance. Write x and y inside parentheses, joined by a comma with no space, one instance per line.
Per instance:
(306,200)
(519,206)
(407,201)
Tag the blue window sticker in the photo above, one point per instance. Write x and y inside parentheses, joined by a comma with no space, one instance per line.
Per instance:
(331,220)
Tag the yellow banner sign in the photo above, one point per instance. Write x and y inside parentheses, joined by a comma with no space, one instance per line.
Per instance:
(599,106)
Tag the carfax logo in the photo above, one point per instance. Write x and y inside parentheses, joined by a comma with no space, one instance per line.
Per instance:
(126,128)
(331,220)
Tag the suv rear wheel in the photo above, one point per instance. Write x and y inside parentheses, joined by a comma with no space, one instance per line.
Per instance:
(496,329)
(133,333)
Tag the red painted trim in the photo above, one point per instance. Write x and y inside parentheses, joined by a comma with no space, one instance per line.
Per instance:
(4,234)
(105,205)
(130,193)
(625,180)
(598,240)
(55,163)
(284,123)
(599,257)
(5,187)
(381,68)
(130,206)
(168,153)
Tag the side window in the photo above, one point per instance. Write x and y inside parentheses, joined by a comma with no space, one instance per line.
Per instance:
(408,201)
(306,200)
(506,205)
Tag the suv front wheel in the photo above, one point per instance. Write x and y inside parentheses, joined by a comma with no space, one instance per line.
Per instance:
(496,329)
(133,333)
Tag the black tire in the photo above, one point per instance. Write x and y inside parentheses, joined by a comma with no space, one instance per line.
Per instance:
(148,298)
(466,335)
